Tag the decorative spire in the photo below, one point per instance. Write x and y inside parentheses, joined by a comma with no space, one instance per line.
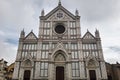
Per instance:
(87,30)
(42,12)
(76,13)
(59,2)
(32,30)
(22,35)
(97,35)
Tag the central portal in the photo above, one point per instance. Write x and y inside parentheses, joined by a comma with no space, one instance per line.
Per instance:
(27,75)
(92,75)
(59,73)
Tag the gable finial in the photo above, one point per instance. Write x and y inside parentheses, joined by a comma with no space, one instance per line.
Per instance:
(97,34)
(87,30)
(42,12)
(22,34)
(32,30)
(59,2)
(76,13)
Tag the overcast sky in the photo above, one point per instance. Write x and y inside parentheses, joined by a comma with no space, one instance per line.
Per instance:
(101,14)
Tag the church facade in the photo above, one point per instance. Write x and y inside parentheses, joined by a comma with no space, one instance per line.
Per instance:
(59,52)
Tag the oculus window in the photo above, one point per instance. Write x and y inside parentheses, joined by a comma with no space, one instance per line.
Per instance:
(60,29)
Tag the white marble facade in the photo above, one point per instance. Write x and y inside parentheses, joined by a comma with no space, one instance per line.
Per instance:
(60,51)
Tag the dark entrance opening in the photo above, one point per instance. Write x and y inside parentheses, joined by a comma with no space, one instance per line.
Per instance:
(109,77)
(59,73)
(27,75)
(92,74)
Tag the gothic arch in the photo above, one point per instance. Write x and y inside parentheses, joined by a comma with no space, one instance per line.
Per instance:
(92,63)
(59,48)
(60,56)
(27,63)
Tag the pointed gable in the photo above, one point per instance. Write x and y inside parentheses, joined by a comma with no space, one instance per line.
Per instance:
(88,38)
(59,8)
(88,35)
(31,36)
(59,46)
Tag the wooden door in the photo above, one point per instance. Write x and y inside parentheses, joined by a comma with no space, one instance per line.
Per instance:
(92,74)
(59,73)
(27,75)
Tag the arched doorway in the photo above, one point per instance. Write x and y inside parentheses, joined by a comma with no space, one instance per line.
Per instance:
(92,66)
(60,66)
(27,75)
(59,73)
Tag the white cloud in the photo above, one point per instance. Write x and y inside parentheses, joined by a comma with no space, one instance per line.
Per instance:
(111,55)
(7,51)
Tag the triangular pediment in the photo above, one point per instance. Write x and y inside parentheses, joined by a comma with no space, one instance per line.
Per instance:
(59,8)
(59,46)
(56,17)
(88,35)
(31,35)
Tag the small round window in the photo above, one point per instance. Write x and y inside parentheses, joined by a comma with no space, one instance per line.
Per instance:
(59,15)
(59,29)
